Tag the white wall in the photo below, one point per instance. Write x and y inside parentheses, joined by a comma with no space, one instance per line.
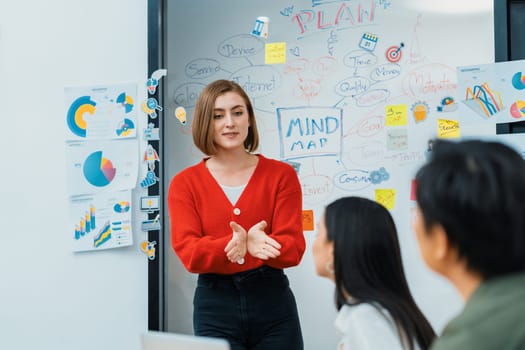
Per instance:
(51,298)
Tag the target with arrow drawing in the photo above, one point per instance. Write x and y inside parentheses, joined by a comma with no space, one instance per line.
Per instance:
(393,53)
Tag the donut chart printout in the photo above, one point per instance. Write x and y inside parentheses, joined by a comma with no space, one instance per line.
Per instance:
(101,112)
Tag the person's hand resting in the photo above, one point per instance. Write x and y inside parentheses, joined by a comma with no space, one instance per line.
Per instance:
(260,245)
(236,248)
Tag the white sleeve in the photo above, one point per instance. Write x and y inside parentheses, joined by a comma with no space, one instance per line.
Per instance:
(367,329)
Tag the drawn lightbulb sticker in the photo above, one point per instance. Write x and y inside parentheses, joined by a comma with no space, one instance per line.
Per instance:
(180,114)
(420,111)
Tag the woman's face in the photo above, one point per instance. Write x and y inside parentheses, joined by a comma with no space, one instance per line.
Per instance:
(323,251)
(230,121)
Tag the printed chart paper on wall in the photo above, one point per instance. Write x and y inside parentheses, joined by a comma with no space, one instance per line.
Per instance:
(102,164)
(493,94)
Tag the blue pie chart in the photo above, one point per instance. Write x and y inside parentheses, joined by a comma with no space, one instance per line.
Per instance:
(518,81)
(98,171)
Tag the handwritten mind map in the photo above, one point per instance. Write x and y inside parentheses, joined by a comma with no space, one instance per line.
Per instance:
(308,132)
(322,85)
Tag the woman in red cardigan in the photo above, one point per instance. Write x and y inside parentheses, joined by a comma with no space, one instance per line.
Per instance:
(236,220)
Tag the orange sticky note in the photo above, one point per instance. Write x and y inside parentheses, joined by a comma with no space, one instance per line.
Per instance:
(396,115)
(386,197)
(308,220)
(448,129)
(275,53)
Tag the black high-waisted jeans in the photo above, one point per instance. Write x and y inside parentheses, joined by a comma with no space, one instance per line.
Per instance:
(253,310)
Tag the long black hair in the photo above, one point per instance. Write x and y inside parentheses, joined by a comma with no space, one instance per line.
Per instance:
(368,266)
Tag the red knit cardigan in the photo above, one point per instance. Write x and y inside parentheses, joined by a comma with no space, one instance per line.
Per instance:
(200,214)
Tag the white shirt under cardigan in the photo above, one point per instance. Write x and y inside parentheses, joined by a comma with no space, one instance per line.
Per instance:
(364,327)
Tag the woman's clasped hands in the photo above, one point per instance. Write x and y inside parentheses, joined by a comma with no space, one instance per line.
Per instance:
(255,241)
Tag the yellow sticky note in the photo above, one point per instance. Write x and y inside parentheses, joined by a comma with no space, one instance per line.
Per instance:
(448,129)
(386,197)
(275,53)
(396,115)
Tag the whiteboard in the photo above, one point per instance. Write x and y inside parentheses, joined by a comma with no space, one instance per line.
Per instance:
(346,91)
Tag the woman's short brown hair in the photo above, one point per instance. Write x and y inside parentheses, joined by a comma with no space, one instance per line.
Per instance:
(202,126)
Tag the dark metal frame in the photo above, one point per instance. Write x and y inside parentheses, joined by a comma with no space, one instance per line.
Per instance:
(156,266)
(503,38)
(503,30)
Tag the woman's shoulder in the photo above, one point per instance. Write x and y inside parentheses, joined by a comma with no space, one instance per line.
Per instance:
(275,164)
(367,326)
(359,310)
(190,170)
(188,175)
(363,312)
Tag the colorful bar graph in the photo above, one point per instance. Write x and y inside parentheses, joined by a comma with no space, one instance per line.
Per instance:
(86,223)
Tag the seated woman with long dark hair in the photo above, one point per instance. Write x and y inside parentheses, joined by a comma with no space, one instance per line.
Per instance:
(357,247)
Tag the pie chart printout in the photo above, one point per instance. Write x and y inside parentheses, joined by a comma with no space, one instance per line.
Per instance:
(518,81)
(517,109)
(99,171)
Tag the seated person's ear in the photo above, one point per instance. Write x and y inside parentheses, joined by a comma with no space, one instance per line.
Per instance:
(444,252)
(441,242)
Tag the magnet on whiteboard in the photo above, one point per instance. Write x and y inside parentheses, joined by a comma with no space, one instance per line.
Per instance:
(260,29)
(150,157)
(151,106)
(159,73)
(153,82)
(151,133)
(148,248)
